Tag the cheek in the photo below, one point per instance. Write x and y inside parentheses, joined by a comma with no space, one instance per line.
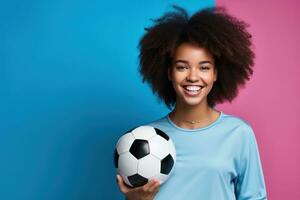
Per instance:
(208,77)
(178,77)
(177,80)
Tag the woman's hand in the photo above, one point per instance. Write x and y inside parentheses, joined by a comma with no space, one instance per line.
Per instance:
(145,192)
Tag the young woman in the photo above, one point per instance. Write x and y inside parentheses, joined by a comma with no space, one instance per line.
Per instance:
(193,63)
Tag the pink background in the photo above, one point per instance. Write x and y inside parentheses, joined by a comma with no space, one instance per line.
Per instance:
(270,100)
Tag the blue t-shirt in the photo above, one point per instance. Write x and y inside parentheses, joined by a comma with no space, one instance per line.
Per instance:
(217,162)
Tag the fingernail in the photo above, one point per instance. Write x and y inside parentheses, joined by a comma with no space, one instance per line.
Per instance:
(117,178)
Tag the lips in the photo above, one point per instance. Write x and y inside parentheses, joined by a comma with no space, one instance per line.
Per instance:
(192,90)
(193,87)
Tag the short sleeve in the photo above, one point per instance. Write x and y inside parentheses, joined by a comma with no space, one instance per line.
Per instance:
(250,184)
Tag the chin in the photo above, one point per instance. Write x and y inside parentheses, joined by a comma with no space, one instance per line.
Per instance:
(192,102)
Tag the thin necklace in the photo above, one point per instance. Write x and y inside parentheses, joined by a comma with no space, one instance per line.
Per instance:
(194,121)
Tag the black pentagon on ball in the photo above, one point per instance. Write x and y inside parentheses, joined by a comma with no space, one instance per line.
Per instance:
(161,133)
(166,164)
(116,158)
(139,148)
(137,180)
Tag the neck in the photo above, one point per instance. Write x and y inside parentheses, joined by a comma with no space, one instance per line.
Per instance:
(201,113)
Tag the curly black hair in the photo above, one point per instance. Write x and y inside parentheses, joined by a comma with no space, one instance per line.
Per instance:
(223,35)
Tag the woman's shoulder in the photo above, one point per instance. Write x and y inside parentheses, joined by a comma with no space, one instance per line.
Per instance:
(161,121)
(234,120)
(239,124)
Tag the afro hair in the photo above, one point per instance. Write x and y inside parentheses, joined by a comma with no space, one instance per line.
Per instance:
(223,35)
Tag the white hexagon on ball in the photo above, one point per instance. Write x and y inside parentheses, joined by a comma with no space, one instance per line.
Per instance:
(143,132)
(124,143)
(127,164)
(159,146)
(148,166)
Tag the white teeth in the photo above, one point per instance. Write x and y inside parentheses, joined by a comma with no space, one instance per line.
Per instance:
(192,88)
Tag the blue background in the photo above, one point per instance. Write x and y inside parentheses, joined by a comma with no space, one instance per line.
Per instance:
(69,88)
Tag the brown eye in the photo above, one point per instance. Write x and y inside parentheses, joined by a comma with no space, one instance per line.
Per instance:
(181,67)
(204,68)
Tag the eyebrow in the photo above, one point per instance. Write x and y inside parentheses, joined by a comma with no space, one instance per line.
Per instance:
(202,62)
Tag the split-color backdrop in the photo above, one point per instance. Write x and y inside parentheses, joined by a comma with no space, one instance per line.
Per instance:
(69,87)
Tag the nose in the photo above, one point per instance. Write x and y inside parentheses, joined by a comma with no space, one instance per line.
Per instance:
(192,76)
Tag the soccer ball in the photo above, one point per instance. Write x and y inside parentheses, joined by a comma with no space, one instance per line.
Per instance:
(144,153)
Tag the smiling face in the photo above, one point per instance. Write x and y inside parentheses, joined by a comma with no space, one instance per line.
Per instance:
(192,74)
